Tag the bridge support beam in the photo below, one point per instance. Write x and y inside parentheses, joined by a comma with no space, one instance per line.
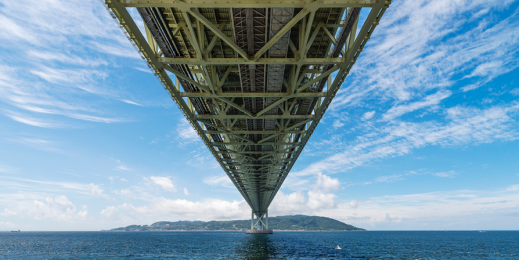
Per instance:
(255,146)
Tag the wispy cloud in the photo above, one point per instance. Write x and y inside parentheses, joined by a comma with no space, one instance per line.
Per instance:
(463,125)
(458,209)
(65,58)
(165,182)
(55,64)
(66,76)
(177,209)
(34,122)
(393,67)
(368,115)
(121,166)
(218,180)
(38,143)
(186,132)
(428,101)
(130,102)
(85,189)
(402,176)
(123,192)
(8,169)
(59,208)
(116,50)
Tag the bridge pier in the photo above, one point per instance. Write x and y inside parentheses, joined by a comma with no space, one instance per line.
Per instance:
(260,227)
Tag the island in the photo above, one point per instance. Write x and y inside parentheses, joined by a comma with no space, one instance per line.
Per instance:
(281,223)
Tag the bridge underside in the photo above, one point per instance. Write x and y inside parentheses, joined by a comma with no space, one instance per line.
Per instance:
(253,77)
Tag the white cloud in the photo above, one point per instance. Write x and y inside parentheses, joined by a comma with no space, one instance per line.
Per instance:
(58,208)
(288,204)
(97,191)
(163,182)
(121,166)
(37,143)
(368,115)
(485,69)
(66,76)
(186,131)
(69,58)
(337,124)
(54,46)
(327,183)
(34,122)
(186,192)
(318,199)
(53,186)
(8,213)
(116,50)
(390,178)
(428,101)
(454,210)
(8,169)
(9,29)
(123,192)
(513,188)
(218,180)
(160,208)
(449,174)
(202,158)
(130,102)
(463,125)
(6,225)
(394,69)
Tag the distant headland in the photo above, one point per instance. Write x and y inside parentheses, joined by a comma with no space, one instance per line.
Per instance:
(282,223)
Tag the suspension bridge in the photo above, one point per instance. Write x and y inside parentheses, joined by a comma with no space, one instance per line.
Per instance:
(253,77)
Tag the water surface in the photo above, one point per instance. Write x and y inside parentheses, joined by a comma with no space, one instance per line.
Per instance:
(280,245)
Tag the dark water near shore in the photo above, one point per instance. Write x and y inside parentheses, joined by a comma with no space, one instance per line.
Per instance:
(280,245)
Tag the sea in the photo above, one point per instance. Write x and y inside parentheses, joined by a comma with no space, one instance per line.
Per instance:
(280,245)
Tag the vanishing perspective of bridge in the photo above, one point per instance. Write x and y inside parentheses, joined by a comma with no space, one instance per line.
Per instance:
(253,77)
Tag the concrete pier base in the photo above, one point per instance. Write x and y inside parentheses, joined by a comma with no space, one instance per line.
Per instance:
(269,231)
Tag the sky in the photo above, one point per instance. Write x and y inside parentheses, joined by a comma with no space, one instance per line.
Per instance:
(422,135)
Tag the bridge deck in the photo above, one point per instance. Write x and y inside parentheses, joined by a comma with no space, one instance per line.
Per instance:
(252,77)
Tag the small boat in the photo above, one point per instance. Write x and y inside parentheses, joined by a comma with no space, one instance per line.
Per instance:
(338,247)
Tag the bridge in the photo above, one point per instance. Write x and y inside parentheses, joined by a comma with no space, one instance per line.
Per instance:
(253,77)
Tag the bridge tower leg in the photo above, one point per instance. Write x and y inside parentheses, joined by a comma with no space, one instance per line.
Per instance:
(267,220)
(251,220)
(261,226)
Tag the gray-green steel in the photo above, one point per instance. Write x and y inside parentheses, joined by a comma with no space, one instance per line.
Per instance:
(254,131)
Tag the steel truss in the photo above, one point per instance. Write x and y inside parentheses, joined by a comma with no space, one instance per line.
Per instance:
(254,78)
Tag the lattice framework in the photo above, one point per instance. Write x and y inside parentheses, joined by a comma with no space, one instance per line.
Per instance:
(252,77)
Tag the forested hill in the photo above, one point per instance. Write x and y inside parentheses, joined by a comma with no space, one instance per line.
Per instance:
(297,222)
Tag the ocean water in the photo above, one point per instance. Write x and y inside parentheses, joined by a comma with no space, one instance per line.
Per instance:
(280,245)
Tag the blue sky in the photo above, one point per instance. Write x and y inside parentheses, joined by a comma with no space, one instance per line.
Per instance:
(422,135)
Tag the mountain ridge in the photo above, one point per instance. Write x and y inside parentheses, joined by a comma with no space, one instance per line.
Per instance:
(287,223)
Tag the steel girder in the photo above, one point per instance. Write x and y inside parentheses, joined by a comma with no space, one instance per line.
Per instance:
(256,131)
